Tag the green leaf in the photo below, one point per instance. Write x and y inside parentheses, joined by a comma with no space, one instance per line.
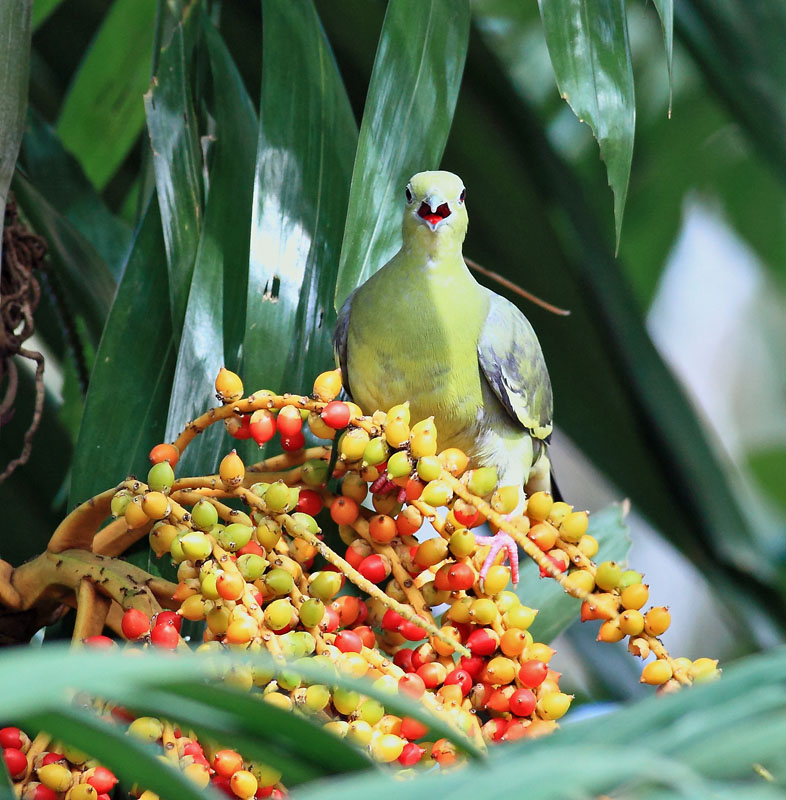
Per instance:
(590,52)
(59,178)
(174,139)
(739,48)
(126,403)
(222,252)
(14,66)
(103,111)
(556,609)
(130,760)
(42,9)
(407,117)
(83,275)
(306,146)
(665,9)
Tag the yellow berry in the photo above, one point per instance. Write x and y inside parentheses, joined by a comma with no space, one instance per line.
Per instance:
(56,777)
(631,622)
(497,578)
(610,631)
(582,581)
(607,575)
(462,542)
(483,611)
(431,552)
(232,470)
(558,512)
(703,670)
(656,673)
(352,444)
(135,514)
(482,481)
(155,505)
(423,438)
(635,596)
(657,621)
(520,617)
(539,506)
(574,526)
(327,385)
(505,499)
(588,545)
(553,705)
(229,387)
(386,748)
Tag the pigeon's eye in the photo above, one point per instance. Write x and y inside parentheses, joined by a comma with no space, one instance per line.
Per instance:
(408,194)
(462,195)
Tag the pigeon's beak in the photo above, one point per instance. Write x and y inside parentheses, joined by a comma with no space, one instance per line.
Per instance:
(433,210)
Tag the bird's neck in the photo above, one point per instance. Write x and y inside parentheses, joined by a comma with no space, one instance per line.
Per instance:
(434,252)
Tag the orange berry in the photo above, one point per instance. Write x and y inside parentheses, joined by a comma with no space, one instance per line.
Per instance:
(229,387)
(382,528)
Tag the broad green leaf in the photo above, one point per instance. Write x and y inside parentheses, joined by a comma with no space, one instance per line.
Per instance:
(14,66)
(42,9)
(590,52)
(406,120)
(223,248)
(174,140)
(614,395)
(126,404)
(556,609)
(739,48)
(129,759)
(767,463)
(306,146)
(103,111)
(80,271)
(59,178)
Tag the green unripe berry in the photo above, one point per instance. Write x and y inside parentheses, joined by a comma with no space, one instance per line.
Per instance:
(312,612)
(176,551)
(288,680)
(235,536)
(207,584)
(371,711)
(204,515)
(482,481)
(399,465)
(277,496)
(196,546)
(307,521)
(317,697)
(279,581)
(305,642)
(278,614)
(315,472)
(324,585)
(429,468)
(161,477)
(608,575)
(462,543)
(119,503)
(376,451)
(345,701)
(629,578)
(251,566)
(436,494)
(259,489)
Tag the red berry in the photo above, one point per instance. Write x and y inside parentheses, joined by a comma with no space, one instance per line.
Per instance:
(412,684)
(51,758)
(42,792)
(366,635)
(262,426)
(164,452)
(15,761)
(522,702)
(392,621)
(411,754)
(362,613)
(243,430)
(11,737)
(168,618)
(336,414)
(558,564)
(499,699)
(135,624)
(460,576)
(349,642)
(330,620)
(193,749)
(252,548)
(463,515)
(414,489)
(102,780)
(403,659)
(433,674)
(412,632)
(309,502)
(292,443)
(289,422)
(473,665)
(461,678)
(99,642)
(374,568)
(533,673)
(482,642)
(165,637)
(412,729)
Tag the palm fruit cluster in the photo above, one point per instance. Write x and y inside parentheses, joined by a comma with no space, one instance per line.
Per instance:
(41,770)
(410,594)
